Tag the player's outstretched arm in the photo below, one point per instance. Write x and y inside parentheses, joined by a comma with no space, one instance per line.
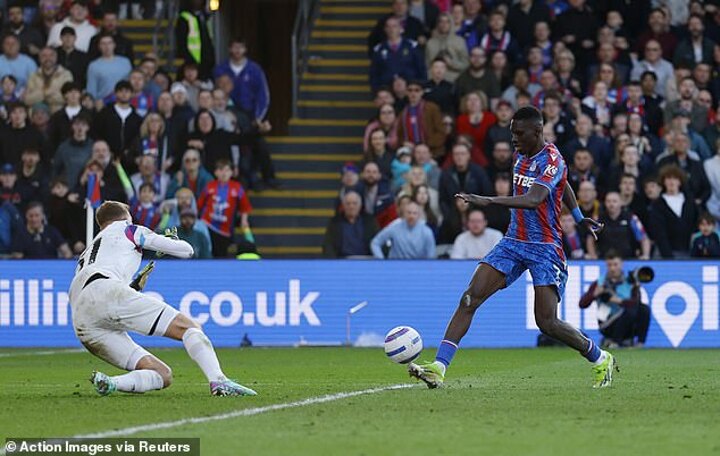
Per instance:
(175,247)
(571,202)
(529,200)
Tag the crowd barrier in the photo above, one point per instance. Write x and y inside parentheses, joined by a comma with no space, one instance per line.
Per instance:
(297,302)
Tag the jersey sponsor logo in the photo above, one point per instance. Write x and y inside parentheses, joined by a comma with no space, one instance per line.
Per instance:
(550,171)
(523,181)
(533,167)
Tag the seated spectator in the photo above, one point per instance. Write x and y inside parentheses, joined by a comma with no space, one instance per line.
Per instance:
(427,199)
(585,138)
(583,169)
(712,171)
(218,205)
(172,208)
(622,318)
(426,12)
(111,187)
(399,93)
(658,29)
(616,91)
(71,58)
(497,38)
(387,122)
(615,76)
(461,177)
(349,232)
(409,238)
(681,122)
(475,121)
(706,242)
(477,241)
(400,166)
(568,84)
(192,175)
(673,216)
(9,192)
(498,217)
(18,135)
(221,111)
(119,125)
(59,128)
(469,22)
(573,242)
(696,48)
(378,199)
(455,224)
(148,173)
(141,99)
(40,120)
(636,103)
(631,199)
(74,152)
(31,39)
(697,185)
(213,144)
(535,65)
(9,94)
(10,223)
(149,68)
(154,142)
(549,84)
(421,122)
(36,239)
(648,144)
(478,77)
(687,89)
(109,26)
(188,233)
(598,107)
(654,63)
(379,153)
(144,208)
(500,130)
(106,72)
(349,181)
(438,90)
(421,156)
(77,20)
(520,83)
(14,63)
(449,47)
(176,118)
(556,119)
(32,181)
(45,85)
(500,66)
(629,164)
(502,160)
(396,56)
(623,233)
(410,27)
(587,199)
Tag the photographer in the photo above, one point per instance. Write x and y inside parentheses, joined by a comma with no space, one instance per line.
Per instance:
(621,316)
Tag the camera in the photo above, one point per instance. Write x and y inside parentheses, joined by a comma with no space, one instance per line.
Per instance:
(643,274)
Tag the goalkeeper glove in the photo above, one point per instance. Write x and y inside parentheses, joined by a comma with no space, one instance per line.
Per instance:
(141,279)
(169,233)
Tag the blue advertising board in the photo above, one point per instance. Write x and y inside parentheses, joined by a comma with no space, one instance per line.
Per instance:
(294,302)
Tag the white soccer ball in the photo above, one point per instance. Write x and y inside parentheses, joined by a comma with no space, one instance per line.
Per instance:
(403,344)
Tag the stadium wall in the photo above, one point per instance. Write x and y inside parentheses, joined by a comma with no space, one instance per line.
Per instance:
(307,302)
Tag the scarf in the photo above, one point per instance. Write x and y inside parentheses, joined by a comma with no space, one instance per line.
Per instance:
(414,131)
(489,43)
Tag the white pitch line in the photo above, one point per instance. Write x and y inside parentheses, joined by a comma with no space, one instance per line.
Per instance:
(41,353)
(239,413)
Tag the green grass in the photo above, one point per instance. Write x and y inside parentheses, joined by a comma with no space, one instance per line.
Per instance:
(496,402)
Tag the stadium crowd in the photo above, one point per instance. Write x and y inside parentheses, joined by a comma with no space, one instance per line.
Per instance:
(82,119)
(629,92)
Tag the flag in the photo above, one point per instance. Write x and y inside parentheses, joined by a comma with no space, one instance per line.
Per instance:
(93,191)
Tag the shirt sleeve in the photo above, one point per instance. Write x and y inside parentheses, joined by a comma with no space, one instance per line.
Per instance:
(146,239)
(552,171)
(637,228)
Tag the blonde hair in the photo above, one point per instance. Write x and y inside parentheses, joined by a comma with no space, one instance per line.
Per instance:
(479,94)
(145,127)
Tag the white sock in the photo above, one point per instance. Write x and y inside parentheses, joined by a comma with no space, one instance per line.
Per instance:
(603,355)
(139,381)
(202,352)
(442,367)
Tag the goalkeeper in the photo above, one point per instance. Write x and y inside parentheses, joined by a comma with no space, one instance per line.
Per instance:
(106,304)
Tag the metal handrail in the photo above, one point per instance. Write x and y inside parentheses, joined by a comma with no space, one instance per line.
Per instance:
(298,42)
(169,13)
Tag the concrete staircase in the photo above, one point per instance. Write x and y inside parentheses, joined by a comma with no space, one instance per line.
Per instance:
(141,32)
(333,108)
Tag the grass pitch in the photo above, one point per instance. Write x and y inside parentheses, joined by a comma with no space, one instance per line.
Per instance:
(496,402)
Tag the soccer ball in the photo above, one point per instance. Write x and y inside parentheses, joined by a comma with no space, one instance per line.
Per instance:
(403,344)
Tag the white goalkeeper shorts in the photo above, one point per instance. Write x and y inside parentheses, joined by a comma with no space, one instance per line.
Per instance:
(106,309)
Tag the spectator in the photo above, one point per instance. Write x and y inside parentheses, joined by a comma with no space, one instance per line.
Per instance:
(449,47)
(497,38)
(648,144)
(32,182)
(636,103)
(377,196)
(12,62)
(59,125)
(383,96)
(681,123)
(144,208)
(192,35)
(71,58)
(422,157)
(18,135)
(673,216)
(500,66)
(188,233)
(427,199)
(176,117)
(395,57)
(411,28)
(698,187)
(119,124)
(688,103)
(426,11)
(577,29)
(154,142)
(78,21)
(417,178)
(438,90)
(105,72)
(478,77)
(587,199)
(111,188)
(109,26)
(379,153)
(696,48)
(192,175)
(141,99)
(474,122)
(410,237)
(535,65)
(623,233)
(74,152)
(45,85)
(541,39)
(631,199)
(173,207)
(573,241)
(523,17)
(213,144)
(654,63)
(557,120)
(36,239)
(349,233)
(502,160)
(659,31)
(399,93)
(9,93)
(629,164)
(520,83)
(706,242)
(598,107)
(149,68)
(712,171)
(583,169)
(421,122)
(473,24)
(623,319)
(9,192)
(10,223)
(218,205)
(462,176)
(222,114)
(40,119)
(477,241)
(610,70)
(585,138)
(387,122)
(31,40)
(500,130)
(148,173)
(349,180)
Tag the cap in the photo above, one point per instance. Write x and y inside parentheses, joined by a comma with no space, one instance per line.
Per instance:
(403,151)
(40,106)
(178,87)
(67,30)
(349,167)
(188,211)
(504,102)
(7,168)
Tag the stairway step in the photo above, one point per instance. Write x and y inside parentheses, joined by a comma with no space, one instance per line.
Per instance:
(321,149)
(336,158)
(139,37)
(364,89)
(334,166)
(335,104)
(293,241)
(312,140)
(336,77)
(337,96)
(323,112)
(340,34)
(334,66)
(297,203)
(132,23)
(292,211)
(295,121)
(351,131)
(295,194)
(328,48)
(285,221)
(310,176)
(342,63)
(364,24)
(376,10)
(284,252)
(314,231)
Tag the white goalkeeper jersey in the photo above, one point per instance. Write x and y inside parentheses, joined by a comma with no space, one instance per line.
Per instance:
(116,253)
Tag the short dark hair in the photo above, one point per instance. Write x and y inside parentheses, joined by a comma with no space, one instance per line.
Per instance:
(649,73)
(222,163)
(111,211)
(611,254)
(123,85)
(628,176)
(706,217)
(528,113)
(69,87)
(146,185)
(671,171)
(34,205)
